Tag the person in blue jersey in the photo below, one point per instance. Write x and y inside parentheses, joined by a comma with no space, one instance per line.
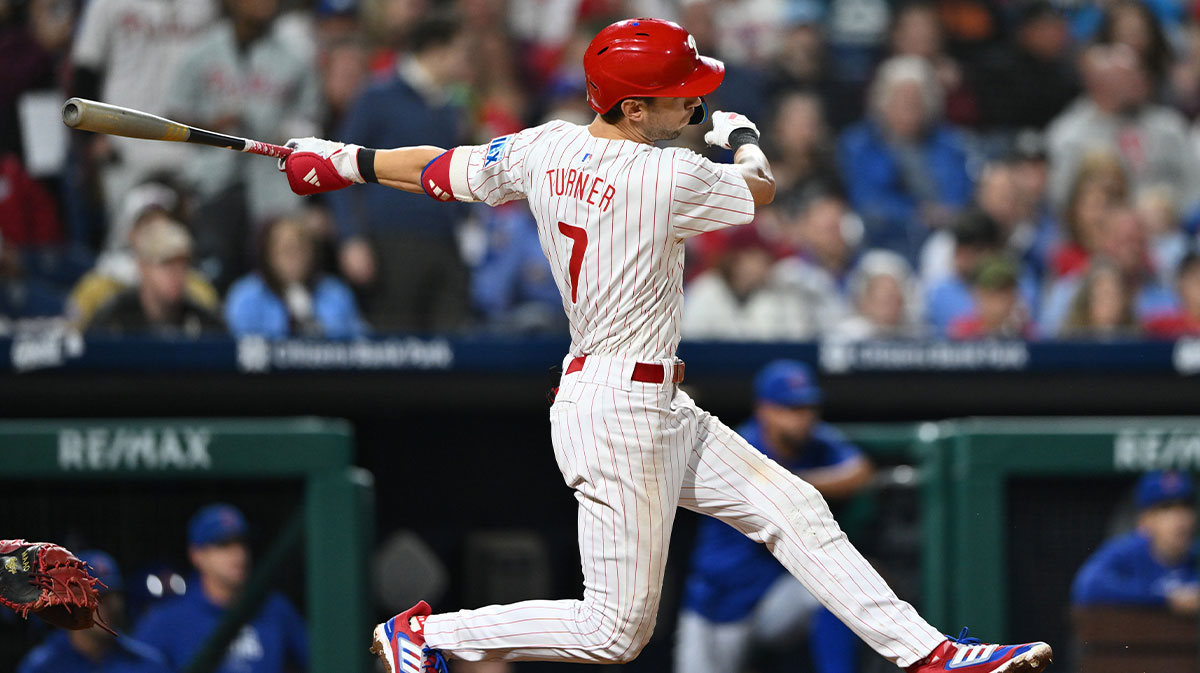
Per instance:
(95,650)
(1155,565)
(274,641)
(737,595)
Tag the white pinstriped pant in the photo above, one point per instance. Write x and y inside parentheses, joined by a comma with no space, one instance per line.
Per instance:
(634,452)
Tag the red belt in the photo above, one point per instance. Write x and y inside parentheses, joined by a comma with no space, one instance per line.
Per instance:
(643,372)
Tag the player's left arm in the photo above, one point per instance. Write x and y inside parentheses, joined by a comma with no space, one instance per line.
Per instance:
(736,132)
(493,169)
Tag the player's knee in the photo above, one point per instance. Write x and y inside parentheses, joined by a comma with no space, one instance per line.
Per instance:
(626,646)
(630,634)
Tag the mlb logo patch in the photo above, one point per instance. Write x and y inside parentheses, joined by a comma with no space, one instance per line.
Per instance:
(495,150)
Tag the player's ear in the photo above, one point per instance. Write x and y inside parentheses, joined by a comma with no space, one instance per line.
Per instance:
(635,109)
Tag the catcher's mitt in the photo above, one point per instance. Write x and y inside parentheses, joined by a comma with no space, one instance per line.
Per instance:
(48,580)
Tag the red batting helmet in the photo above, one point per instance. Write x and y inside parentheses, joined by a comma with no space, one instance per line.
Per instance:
(646,57)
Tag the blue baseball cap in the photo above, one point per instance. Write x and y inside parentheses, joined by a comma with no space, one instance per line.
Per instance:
(216,524)
(1155,488)
(104,567)
(789,383)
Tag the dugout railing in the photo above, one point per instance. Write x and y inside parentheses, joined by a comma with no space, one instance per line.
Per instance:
(336,511)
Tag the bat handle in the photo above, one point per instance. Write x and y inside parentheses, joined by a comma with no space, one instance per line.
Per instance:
(266,149)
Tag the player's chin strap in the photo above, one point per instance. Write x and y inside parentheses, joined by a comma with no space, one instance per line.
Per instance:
(700,114)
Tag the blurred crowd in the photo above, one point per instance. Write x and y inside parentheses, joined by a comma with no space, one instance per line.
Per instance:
(946,168)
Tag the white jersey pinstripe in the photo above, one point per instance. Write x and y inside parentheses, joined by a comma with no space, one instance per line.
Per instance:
(620,210)
(612,217)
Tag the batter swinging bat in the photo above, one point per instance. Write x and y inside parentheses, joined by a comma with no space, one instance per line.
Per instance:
(90,115)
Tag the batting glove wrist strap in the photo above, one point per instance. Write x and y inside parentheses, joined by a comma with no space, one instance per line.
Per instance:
(742,136)
(366,165)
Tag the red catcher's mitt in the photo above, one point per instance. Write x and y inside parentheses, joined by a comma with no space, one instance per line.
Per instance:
(48,580)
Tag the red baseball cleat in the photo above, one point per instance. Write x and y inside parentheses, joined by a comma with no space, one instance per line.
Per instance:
(971,656)
(400,643)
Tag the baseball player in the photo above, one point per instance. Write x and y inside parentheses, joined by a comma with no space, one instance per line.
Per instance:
(613,213)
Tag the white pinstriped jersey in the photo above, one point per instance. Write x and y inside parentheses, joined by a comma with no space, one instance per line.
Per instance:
(612,218)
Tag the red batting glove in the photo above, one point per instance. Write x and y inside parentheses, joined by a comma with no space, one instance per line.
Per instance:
(320,165)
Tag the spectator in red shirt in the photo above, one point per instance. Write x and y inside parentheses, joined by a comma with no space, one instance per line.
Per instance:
(1185,321)
(28,215)
(1099,185)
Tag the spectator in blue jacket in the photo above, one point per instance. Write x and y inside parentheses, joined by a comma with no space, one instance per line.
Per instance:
(1155,565)
(288,296)
(400,248)
(95,650)
(513,286)
(274,638)
(736,594)
(906,170)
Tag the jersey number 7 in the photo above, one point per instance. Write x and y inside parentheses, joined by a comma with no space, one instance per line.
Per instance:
(578,236)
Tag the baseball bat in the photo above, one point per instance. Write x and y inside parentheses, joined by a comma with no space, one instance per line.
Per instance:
(90,115)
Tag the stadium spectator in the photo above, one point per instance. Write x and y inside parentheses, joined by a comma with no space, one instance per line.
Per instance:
(513,286)
(22,295)
(126,53)
(398,249)
(288,295)
(95,650)
(1186,320)
(886,302)
(1098,186)
(33,38)
(906,171)
(800,65)
(999,196)
(116,268)
(160,304)
(736,595)
(917,31)
(801,155)
(998,311)
(1027,157)
(1102,307)
(1133,24)
(743,298)
(344,69)
(243,76)
(976,237)
(272,640)
(1168,243)
(28,213)
(1116,113)
(1028,83)
(823,237)
(1154,565)
(1121,241)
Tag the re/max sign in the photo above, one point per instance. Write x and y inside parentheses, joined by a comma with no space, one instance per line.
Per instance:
(177,448)
(1157,449)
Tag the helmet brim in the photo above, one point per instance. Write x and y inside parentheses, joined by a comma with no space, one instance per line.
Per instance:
(704,80)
